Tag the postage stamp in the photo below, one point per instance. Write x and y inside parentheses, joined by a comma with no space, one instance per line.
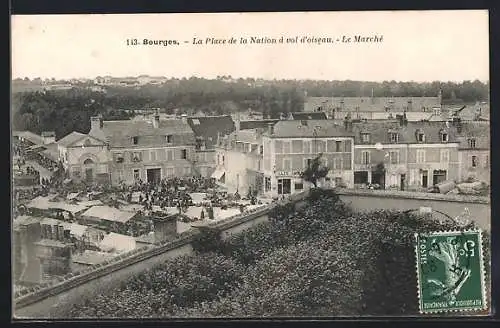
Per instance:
(450,271)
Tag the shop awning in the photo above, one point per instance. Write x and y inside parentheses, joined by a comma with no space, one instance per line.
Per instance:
(217,174)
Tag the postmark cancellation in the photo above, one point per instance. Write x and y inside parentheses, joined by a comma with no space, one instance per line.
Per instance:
(450,271)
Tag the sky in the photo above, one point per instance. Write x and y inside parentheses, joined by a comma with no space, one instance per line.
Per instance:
(416,45)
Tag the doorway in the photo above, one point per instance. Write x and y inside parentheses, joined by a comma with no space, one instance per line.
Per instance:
(284,186)
(153,176)
(378,178)
(424,179)
(402,181)
(89,175)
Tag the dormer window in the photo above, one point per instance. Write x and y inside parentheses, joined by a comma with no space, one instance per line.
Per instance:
(135,140)
(443,136)
(420,136)
(365,137)
(394,137)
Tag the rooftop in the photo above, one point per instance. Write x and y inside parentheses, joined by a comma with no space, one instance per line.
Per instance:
(210,127)
(309,129)
(71,138)
(114,242)
(309,116)
(119,133)
(257,124)
(371,104)
(109,214)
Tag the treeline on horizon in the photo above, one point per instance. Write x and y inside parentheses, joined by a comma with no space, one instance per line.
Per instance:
(64,111)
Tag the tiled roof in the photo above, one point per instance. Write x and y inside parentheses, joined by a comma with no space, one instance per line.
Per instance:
(30,136)
(379,131)
(71,138)
(371,104)
(119,133)
(480,131)
(209,127)
(309,116)
(256,124)
(309,128)
(250,136)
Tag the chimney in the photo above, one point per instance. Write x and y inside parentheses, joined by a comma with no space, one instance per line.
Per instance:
(96,123)
(403,120)
(184,118)
(156,120)
(348,122)
(237,124)
(270,128)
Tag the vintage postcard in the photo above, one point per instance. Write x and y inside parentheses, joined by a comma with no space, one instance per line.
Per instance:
(251,165)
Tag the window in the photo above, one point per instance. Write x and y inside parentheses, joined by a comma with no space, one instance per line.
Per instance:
(287,164)
(136,174)
(299,186)
(286,147)
(394,157)
(267,183)
(184,154)
(169,138)
(337,163)
(170,171)
(308,162)
(152,156)
(338,146)
(136,157)
(261,150)
(420,156)
(347,146)
(445,156)
(486,159)
(472,142)
(365,137)
(135,140)
(196,121)
(223,160)
(320,146)
(170,155)
(394,137)
(444,137)
(474,161)
(297,146)
(365,157)
(420,136)
(307,147)
(278,145)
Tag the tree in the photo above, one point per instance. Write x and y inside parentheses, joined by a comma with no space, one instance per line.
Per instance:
(315,171)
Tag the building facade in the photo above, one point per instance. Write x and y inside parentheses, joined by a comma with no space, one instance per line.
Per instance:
(239,162)
(290,146)
(405,155)
(84,157)
(148,150)
(207,130)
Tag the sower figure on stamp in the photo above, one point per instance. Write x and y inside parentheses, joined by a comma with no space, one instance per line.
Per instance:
(455,276)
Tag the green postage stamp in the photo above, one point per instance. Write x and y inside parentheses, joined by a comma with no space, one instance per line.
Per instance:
(450,271)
